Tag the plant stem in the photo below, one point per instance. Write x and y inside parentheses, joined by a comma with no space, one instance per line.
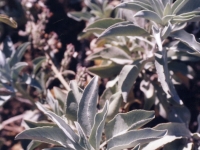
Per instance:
(57,73)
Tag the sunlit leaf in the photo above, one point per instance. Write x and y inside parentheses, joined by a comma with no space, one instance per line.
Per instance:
(97,129)
(127,77)
(132,138)
(174,131)
(123,29)
(87,106)
(124,122)
(52,135)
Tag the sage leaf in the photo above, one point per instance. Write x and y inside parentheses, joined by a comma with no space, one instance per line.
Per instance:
(127,77)
(133,138)
(97,129)
(88,106)
(53,135)
(124,122)
(174,131)
(123,29)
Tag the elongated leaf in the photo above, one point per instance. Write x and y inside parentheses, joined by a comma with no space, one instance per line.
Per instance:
(83,141)
(111,69)
(187,39)
(114,105)
(87,106)
(53,103)
(37,62)
(60,95)
(149,15)
(123,29)
(135,6)
(189,6)
(77,91)
(71,107)
(175,131)
(32,124)
(133,138)
(114,54)
(52,135)
(61,123)
(78,16)
(128,121)
(178,5)
(164,76)
(17,56)
(127,77)
(166,31)
(102,24)
(97,129)
(167,10)
(157,6)
(16,69)
(107,93)
(8,20)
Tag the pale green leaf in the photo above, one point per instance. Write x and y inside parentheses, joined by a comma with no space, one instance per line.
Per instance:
(87,106)
(190,6)
(158,7)
(174,131)
(166,31)
(149,15)
(53,103)
(107,93)
(37,62)
(53,135)
(127,77)
(71,106)
(102,24)
(76,90)
(167,10)
(133,138)
(178,4)
(123,29)
(164,76)
(97,129)
(32,124)
(135,6)
(124,122)
(17,56)
(114,105)
(114,54)
(16,69)
(187,39)
(60,95)
(83,141)
(111,69)
(61,124)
